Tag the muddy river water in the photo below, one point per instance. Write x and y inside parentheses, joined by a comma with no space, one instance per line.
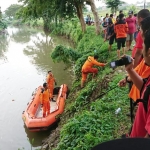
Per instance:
(24,62)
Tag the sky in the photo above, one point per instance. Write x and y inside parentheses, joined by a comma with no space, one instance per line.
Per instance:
(6,3)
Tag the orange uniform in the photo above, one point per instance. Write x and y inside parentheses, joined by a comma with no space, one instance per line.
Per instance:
(44,96)
(144,71)
(121,29)
(87,67)
(50,82)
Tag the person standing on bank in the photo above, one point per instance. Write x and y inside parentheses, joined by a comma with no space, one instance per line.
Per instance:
(44,97)
(88,68)
(138,48)
(131,21)
(111,36)
(50,82)
(121,29)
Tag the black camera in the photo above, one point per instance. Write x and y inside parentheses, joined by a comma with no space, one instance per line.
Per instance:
(123,61)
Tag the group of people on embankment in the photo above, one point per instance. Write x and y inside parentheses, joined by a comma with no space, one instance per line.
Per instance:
(121,29)
(138,71)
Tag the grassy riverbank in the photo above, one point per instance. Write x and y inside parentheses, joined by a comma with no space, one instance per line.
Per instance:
(89,119)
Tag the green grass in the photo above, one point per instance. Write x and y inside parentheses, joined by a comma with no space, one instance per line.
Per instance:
(88,120)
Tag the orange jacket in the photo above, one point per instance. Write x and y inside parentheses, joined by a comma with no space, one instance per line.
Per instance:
(50,79)
(144,71)
(90,62)
(44,96)
(121,29)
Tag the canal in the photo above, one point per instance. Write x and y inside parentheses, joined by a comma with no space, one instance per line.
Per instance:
(24,62)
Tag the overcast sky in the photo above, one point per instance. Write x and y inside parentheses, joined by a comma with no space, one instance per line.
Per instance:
(6,3)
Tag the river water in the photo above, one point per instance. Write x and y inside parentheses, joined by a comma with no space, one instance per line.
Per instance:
(24,62)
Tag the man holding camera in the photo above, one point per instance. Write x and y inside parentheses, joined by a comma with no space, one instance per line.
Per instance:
(88,68)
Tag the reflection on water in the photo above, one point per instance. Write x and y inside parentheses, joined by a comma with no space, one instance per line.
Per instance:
(4,42)
(22,35)
(24,62)
(39,49)
(33,137)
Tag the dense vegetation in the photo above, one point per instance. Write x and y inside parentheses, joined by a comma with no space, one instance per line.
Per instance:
(3,24)
(89,117)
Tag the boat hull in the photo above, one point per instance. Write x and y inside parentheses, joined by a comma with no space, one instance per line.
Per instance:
(35,122)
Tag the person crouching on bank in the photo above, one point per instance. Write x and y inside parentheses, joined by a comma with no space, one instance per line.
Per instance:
(88,68)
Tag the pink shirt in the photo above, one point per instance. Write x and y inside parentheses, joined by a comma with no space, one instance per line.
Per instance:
(141,124)
(138,45)
(131,24)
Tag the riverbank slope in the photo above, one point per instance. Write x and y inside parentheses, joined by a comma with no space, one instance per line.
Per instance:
(89,116)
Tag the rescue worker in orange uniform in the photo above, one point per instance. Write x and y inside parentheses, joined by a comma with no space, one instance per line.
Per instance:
(44,97)
(88,68)
(50,82)
(121,29)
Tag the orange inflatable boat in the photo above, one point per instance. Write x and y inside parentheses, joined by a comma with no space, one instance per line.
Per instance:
(32,116)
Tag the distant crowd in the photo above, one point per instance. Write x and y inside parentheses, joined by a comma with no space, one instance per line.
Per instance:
(121,29)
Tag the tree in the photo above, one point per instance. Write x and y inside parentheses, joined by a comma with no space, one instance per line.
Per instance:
(12,10)
(79,5)
(113,4)
(36,9)
(3,24)
(133,8)
(54,10)
(96,17)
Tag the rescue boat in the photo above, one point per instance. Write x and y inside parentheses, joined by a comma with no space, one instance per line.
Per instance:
(32,116)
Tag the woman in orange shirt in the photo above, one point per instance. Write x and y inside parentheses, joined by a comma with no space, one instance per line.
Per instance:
(121,29)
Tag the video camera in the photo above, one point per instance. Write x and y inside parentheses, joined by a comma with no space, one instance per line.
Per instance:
(123,61)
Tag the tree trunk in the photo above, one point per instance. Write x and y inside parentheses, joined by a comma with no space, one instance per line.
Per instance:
(96,17)
(80,16)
